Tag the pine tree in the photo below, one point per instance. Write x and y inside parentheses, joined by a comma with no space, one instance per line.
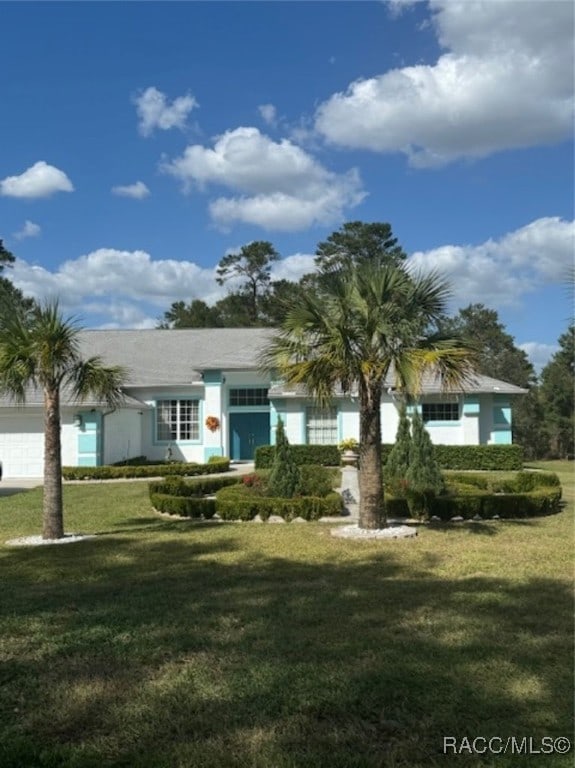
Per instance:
(424,479)
(285,477)
(397,464)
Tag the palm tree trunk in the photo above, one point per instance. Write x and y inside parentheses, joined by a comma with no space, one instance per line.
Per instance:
(371,510)
(53,518)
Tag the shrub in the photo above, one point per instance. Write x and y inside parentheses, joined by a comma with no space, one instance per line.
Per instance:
(423,477)
(326,455)
(285,477)
(185,506)
(480,457)
(109,472)
(397,464)
(240,504)
(316,480)
(177,486)
(542,501)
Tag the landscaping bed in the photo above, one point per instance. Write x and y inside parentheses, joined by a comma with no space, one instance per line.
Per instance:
(489,495)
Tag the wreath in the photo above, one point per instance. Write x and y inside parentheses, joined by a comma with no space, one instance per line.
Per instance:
(213,423)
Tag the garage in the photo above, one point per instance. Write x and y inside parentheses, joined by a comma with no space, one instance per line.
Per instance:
(22,444)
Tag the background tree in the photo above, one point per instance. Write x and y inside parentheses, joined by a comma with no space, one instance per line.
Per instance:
(10,296)
(557,396)
(41,349)
(357,240)
(196,314)
(362,322)
(253,266)
(500,358)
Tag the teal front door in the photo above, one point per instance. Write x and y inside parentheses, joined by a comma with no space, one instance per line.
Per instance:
(247,431)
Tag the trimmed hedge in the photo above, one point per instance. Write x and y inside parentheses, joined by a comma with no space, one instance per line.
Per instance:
(325,455)
(500,482)
(108,472)
(543,501)
(186,506)
(239,504)
(462,457)
(478,457)
(204,486)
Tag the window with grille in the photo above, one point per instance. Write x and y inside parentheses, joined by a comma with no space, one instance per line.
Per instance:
(440,411)
(249,396)
(177,420)
(321,426)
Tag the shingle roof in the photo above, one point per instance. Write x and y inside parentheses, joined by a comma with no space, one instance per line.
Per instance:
(177,357)
(158,357)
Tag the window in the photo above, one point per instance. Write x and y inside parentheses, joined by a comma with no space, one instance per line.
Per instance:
(253,396)
(321,426)
(178,420)
(440,411)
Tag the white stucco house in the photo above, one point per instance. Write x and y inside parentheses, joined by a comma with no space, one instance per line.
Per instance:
(178,378)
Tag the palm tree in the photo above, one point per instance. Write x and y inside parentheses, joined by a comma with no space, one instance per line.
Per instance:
(41,349)
(361,323)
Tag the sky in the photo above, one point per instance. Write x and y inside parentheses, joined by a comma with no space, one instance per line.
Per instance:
(140,142)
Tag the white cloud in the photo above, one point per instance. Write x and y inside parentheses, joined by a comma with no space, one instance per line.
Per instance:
(539,353)
(137,191)
(279,185)
(505,81)
(154,111)
(500,272)
(40,180)
(130,289)
(30,229)
(293,267)
(122,281)
(268,113)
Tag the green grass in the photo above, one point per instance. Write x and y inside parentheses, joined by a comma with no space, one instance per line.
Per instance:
(164,644)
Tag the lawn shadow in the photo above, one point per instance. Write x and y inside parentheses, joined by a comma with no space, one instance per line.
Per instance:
(182,652)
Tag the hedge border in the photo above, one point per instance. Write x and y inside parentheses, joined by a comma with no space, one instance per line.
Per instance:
(109,472)
(325,455)
(235,504)
(459,457)
(197,507)
(537,503)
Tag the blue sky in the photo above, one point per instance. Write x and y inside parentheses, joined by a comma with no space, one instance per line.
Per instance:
(142,141)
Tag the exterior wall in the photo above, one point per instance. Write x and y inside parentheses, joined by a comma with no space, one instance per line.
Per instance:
(154,449)
(122,435)
(475,425)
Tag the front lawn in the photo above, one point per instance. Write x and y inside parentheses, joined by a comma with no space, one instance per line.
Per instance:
(173,644)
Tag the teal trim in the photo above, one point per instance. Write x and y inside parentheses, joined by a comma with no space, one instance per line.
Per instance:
(502,415)
(216,451)
(502,437)
(471,406)
(89,445)
(212,377)
(339,426)
(86,461)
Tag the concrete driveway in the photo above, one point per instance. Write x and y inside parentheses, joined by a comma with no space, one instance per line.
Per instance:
(12,485)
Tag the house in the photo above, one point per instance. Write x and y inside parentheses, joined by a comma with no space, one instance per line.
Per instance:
(179,378)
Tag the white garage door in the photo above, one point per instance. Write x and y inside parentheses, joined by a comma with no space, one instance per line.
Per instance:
(22,445)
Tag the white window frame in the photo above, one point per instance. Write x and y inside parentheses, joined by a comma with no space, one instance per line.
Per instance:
(321,426)
(177,420)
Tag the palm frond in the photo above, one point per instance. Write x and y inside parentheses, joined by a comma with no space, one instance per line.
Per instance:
(91,377)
